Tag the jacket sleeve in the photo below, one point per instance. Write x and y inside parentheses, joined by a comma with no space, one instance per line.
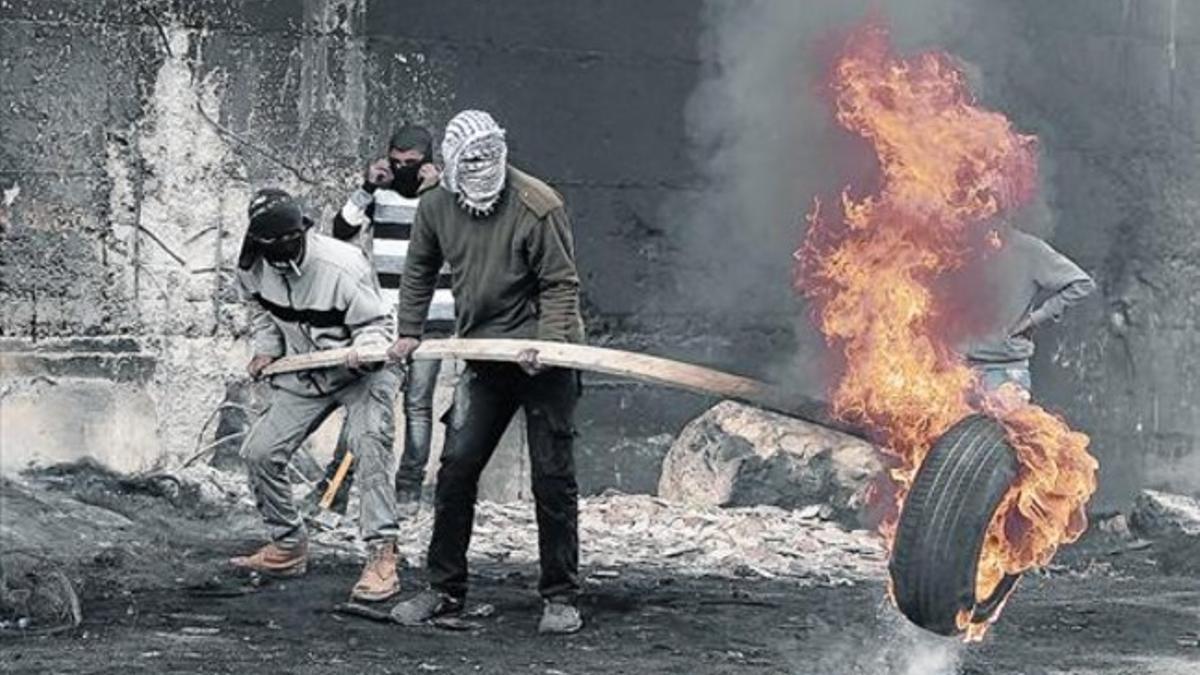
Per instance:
(551,252)
(422,263)
(265,335)
(353,216)
(367,314)
(1066,283)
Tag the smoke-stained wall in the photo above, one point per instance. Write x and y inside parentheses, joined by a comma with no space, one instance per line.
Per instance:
(1112,89)
(687,137)
(135,132)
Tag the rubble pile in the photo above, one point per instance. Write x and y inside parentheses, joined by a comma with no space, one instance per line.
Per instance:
(617,530)
(76,512)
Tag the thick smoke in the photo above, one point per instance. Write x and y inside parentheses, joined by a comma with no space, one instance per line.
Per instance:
(763,136)
(886,645)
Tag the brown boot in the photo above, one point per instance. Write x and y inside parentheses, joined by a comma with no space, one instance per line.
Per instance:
(275,560)
(379,580)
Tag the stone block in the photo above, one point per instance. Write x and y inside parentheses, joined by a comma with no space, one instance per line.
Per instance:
(1162,514)
(736,455)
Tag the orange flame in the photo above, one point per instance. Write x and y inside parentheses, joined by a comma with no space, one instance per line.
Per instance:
(946,167)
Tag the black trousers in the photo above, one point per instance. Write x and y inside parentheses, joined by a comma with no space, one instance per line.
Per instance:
(486,398)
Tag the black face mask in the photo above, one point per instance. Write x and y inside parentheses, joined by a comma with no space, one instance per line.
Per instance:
(282,251)
(406,179)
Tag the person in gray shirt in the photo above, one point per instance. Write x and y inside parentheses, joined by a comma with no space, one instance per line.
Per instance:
(1027,284)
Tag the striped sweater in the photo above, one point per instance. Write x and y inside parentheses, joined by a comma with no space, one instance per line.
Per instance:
(380,222)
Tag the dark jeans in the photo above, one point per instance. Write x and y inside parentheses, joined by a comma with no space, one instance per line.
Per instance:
(418,391)
(418,423)
(486,398)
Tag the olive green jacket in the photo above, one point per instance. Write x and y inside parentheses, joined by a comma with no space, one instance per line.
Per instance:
(512,272)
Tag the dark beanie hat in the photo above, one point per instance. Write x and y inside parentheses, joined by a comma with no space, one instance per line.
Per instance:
(273,213)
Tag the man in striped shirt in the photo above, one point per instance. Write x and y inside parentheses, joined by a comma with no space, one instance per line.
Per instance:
(378,217)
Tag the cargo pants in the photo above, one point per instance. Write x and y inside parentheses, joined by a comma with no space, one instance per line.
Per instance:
(419,388)
(485,399)
(370,430)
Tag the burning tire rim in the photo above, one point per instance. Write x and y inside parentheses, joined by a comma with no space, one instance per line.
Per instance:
(935,557)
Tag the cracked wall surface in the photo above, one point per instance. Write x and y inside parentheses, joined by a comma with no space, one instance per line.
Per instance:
(133,133)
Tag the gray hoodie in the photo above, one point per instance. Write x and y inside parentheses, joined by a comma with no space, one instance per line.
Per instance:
(333,301)
(1025,278)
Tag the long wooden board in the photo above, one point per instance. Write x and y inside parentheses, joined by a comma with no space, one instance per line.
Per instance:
(632,365)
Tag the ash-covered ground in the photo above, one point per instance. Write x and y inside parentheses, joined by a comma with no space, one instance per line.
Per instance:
(668,590)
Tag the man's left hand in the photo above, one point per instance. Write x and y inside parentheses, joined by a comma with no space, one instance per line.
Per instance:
(355,363)
(528,360)
(429,175)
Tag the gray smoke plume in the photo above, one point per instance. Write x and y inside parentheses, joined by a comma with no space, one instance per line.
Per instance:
(762,131)
(885,644)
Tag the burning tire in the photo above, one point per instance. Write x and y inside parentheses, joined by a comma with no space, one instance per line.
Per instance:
(942,526)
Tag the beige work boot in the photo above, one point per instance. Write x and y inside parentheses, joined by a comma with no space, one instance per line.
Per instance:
(275,560)
(379,580)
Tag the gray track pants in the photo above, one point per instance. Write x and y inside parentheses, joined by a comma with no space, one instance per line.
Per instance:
(370,431)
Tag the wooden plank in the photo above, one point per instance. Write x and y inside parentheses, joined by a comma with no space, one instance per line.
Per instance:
(641,367)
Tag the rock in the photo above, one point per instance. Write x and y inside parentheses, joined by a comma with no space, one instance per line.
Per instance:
(236,413)
(1162,514)
(737,455)
(1117,526)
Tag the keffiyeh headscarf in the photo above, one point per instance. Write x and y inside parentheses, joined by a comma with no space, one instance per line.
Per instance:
(475,156)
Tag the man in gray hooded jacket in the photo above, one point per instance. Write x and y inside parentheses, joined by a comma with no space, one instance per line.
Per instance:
(309,292)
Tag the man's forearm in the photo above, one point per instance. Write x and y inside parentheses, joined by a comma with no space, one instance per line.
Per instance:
(1054,306)
(559,307)
(373,334)
(415,297)
(349,221)
(266,337)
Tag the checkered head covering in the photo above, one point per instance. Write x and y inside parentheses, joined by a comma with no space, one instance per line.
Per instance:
(476,158)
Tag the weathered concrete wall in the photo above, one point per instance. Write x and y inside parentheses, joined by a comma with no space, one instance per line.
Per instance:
(133,133)
(1113,90)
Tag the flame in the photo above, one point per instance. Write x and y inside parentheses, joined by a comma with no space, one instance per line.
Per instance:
(947,168)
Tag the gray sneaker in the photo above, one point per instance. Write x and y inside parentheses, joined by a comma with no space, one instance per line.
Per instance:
(408,500)
(426,605)
(408,494)
(559,618)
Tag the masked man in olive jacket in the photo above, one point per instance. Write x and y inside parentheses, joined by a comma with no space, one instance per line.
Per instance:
(507,240)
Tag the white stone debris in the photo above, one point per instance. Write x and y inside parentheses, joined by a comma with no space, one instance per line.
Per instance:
(618,531)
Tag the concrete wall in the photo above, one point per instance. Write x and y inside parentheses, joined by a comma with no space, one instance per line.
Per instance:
(1112,88)
(134,132)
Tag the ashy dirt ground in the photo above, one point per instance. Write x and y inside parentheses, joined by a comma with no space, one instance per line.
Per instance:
(156,599)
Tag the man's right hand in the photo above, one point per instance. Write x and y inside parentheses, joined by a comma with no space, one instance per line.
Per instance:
(379,173)
(402,349)
(256,365)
